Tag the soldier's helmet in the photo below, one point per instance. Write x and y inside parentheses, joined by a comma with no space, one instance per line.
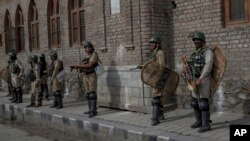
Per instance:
(42,56)
(198,35)
(155,39)
(53,55)
(87,44)
(12,56)
(34,58)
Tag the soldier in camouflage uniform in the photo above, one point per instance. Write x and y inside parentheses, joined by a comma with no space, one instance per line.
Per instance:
(90,77)
(34,75)
(201,64)
(16,70)
(57,85)
(44,76)
(157,56)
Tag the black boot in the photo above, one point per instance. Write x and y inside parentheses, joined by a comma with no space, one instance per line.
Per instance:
(14,94)
(87,97)
(19,95)
(205,122)
(197,124)
(161,113)
(60,102)
(55,102)
(93,102)
(156,111)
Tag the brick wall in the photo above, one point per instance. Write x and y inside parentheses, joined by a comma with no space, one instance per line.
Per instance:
(121,40)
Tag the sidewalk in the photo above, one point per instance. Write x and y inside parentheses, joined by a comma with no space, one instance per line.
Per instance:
(113,123)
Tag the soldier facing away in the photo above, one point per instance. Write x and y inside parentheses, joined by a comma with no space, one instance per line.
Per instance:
(88,66)
(157,56)
(16,70)
(54,69)
(35,78)
(200,67)
(44,77)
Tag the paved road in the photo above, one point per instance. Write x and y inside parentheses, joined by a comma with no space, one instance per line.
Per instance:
(8,133)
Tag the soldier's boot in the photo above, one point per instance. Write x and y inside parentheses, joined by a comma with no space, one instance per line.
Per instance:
(14,96)
(19,95)
(39,101)
(205,115)
(32,104)
(93,102)
(87,97)
(60,102)
(55,102)
(156,111)
(197,124)
(205,122)
(161,113)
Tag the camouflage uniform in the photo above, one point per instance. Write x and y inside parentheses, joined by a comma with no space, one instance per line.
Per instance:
(90,78)
(201,63)
(36,91)
(16,69)
(57,86)
(157,56)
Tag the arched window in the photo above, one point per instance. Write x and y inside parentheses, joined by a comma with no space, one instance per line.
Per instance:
(77,21)
(8,32)
(54,23)
(33,26)
(19,30)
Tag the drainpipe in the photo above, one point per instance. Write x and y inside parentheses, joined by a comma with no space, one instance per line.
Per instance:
(143,90)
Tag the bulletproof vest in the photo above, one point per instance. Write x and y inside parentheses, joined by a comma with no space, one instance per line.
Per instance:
(43,68)
(14,68)
(87,70)
(198,61)
(31,75)
(51,69)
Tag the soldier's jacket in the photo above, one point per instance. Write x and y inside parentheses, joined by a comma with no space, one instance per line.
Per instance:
(204,89)
(17,72)
(158,56)
(58,67)
(90,80)
(93,58)
(36,85)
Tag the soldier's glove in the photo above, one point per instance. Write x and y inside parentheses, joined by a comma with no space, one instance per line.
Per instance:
(139,67)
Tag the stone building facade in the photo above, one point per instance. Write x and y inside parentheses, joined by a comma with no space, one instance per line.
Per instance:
(120,30)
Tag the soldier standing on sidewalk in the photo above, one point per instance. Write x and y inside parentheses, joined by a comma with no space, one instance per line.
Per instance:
(90,77)
(201,65)
(34,75)
(57,85)
(157,56)
(44,77)
(16,70)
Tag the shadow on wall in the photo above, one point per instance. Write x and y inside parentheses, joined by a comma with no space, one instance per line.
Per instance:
(114,86)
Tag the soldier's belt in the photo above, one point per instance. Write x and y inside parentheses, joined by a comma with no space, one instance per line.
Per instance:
(87,73)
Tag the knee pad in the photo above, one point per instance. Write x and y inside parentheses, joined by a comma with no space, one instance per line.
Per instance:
(92,96)
(204,105)
(194,103)
(57,94)
(19,89)
(87,96)
(156,101)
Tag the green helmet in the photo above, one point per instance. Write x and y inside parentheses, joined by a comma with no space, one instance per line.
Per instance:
(33,58)
(12,56)
(87,44)
(198,35)
(53,55)
(42,56)
(155,39)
